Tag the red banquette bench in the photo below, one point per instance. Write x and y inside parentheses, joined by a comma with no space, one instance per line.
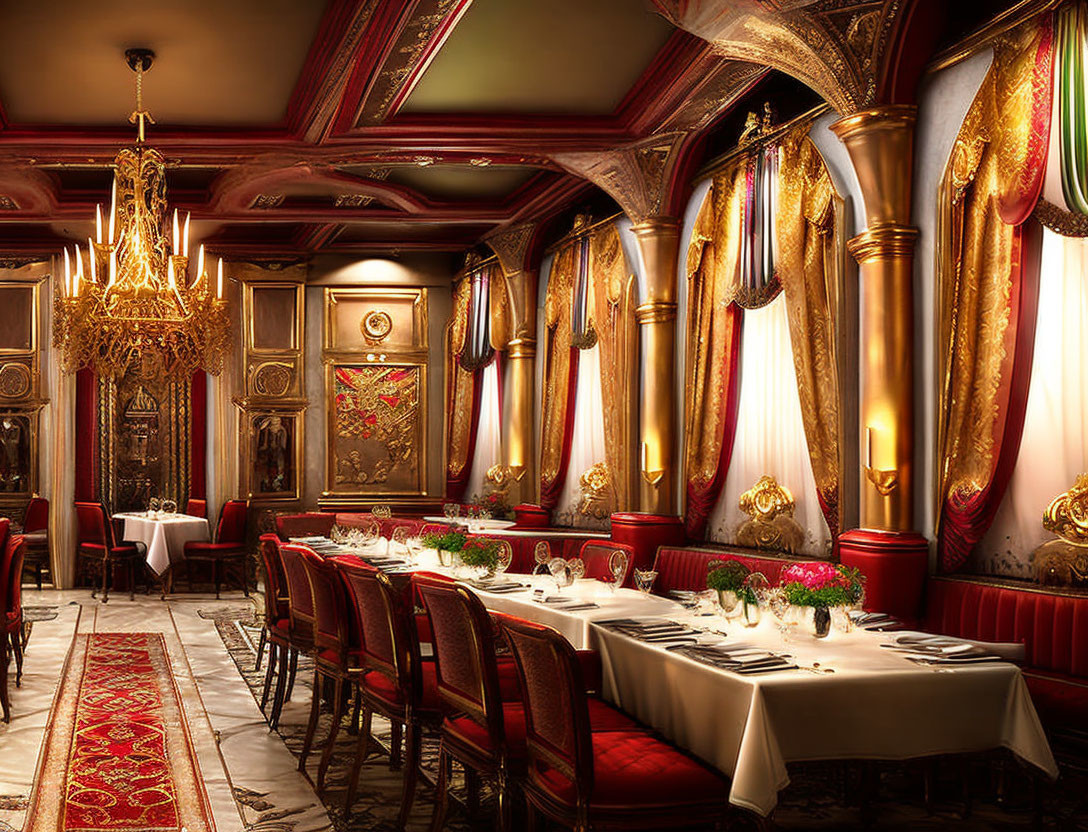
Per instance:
(1052,625)
(685,567)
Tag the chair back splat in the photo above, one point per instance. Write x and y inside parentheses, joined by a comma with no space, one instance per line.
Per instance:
(464,651)
(330,606)
(36,516)
(196,508)
(557,712)
(275,583)
(300,596)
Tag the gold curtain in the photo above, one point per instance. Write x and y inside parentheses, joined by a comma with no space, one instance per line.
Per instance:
(713,279)
(987,185)
(807,271)
(499,309)
(460,386)
(612,316)
(558,303)
(986,300)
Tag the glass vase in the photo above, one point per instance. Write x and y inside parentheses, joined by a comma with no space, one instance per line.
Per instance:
(821,621)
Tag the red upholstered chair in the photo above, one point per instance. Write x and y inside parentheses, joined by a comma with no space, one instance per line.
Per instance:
(482,733)
(394,681)
(197,508)
(277,621)
(331,648)
(300,627)
(589,779)
(229,546)
(6,558)
(307,524)
(97,543)
(597,555)
(11,581)
(36,535)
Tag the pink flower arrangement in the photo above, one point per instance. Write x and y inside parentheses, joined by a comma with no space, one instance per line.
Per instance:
(821,584)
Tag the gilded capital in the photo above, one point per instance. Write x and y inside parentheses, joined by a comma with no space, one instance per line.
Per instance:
(880,141)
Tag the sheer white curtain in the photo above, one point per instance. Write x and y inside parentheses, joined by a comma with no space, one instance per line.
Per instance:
(587,440)
(1054,446)
(488,433)
(770,435)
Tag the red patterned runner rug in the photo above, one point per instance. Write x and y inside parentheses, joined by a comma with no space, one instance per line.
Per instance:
(118,754)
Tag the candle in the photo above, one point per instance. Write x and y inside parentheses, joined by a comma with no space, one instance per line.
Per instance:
(200,263)
(113,209)
(185,236)
(67,270)
(177,234)
(219,280)
(113,268)
(91,254)
(170,272)
(98,223)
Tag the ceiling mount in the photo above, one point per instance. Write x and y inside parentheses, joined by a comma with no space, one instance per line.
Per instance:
(139,59)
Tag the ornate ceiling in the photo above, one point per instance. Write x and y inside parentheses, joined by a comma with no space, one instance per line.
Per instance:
(297,126)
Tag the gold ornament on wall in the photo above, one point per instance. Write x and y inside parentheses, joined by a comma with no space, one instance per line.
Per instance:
(770,523)
(1064,561)
(596,485)
(376,326)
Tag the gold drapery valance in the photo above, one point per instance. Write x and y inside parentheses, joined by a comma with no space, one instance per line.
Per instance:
(990,185)
(808,253)
(610,315)
(807,256)
(460,386)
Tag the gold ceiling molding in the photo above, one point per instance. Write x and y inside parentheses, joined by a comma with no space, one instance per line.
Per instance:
(838,48)
(511,245)
(636,175)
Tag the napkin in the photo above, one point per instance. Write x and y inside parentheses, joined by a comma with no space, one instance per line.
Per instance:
(1011,651)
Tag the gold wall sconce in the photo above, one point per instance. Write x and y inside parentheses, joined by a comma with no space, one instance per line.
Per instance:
(885,480)
(652,475)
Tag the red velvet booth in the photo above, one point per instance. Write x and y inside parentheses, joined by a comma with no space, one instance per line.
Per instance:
(1053,626)
(307,524)
(683,567)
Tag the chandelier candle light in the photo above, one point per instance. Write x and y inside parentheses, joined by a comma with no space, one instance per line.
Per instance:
(136,306)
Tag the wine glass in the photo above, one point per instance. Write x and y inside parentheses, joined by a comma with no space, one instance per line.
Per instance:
(577,568)
(399,539)
(414,546)
(644,580)
(451,510)
(562,573)
(506,557)
(617,568)
(779,605)
(542,553)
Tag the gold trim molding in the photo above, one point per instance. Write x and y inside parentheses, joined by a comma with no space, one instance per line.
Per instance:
(883,242)
(655,311)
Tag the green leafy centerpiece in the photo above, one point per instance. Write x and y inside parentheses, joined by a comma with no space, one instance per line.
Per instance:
(822,586)
(448,544)
(732,580)
(482,553)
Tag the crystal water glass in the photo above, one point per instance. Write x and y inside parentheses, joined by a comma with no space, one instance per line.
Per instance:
(617,568)
(644,580)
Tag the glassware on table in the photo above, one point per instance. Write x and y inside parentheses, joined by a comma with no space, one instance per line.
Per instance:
(415,547)
(451,510)
(445,558)
(337,534)
(399,539)
(644,580)
(617,568)
(756,587)
(783,612)
(506,557)
(577,568)
(561,572)
(485,514)
(153,507)
(542,553)
(169,507)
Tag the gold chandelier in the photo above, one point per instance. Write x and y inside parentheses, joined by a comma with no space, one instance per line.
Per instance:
(134,306)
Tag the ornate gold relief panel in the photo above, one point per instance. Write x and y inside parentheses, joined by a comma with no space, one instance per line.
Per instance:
(20,385)
(271,440)
(376,429)
(144,432)
(376,320)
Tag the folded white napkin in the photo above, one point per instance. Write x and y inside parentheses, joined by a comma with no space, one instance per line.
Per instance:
(1010,650)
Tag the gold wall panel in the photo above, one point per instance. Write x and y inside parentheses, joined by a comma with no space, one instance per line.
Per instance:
(377,429)
(272,440)
(144,433)
(18,304)
(382,320)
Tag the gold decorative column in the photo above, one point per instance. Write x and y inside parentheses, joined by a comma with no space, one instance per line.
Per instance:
(514,248)
(658,240)
(880,143)
(521,354)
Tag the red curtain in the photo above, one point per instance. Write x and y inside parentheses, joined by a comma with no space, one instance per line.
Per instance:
(198,435)
(86,436)
(550,490)
(702,497)
(966,519)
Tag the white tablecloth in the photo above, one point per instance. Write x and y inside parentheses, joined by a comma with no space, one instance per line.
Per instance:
(165,537)
(875,705)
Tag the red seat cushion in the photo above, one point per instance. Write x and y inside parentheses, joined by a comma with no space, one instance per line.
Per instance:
(602,717)
(634,768)
(380,685)
(509,683)
(125,550)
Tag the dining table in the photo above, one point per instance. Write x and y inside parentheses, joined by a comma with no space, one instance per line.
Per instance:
(164,534)
(854,694)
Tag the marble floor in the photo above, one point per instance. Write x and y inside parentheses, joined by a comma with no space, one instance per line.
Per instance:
(241,762)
